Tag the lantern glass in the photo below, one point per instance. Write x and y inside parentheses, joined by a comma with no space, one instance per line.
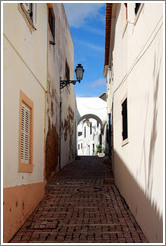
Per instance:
(79,72)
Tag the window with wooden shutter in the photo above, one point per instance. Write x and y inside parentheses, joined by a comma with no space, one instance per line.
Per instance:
(26,134)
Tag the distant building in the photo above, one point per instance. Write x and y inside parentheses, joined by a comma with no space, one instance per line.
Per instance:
(103,96)
(134,72)
(89,137)
(91,116)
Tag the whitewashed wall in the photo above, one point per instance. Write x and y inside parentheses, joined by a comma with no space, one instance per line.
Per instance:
(138,75)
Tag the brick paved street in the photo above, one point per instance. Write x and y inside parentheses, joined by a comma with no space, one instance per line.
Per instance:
(80,207)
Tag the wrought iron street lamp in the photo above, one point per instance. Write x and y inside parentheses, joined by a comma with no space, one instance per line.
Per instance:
(79,75)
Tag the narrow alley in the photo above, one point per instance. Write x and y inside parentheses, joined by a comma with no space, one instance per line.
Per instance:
(82,205)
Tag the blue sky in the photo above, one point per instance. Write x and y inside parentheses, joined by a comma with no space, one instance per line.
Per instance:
(87,26)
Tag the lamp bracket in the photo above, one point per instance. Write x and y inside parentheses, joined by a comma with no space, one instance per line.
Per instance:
(64,83)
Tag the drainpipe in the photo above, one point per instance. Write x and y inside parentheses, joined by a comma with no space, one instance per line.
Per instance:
(60,111)
(109,132)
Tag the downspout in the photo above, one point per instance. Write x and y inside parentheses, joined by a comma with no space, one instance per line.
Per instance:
(60,112)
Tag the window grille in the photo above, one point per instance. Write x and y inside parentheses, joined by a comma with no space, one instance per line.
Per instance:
(124,120)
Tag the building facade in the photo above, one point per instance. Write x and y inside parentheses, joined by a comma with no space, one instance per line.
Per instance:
(89,137)
(37,52)
(91,121)
(134,72)
(60,137)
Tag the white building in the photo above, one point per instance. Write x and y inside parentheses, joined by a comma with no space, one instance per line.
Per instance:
(32,68)
(92,116)
(134,71)
(89,137)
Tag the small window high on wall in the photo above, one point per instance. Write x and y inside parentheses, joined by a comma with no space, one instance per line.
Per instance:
(67,71)
(51,20)
(29,12)
(137,6)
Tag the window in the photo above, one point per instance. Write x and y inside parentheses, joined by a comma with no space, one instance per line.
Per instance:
(124,120)
(84,131)
(79,134)
(51,20)
(81,146)
(26,134)
(67,71)
(28,11)
(78,146)
(137,6)
(90,127)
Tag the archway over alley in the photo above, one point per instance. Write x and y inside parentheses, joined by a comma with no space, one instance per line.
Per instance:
(91,120)
(91,107)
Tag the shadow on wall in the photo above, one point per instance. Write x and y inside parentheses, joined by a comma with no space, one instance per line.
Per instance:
(144,210)
(68,126)
(52,145)
(149,167)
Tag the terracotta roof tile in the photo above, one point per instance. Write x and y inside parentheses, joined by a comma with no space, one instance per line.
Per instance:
(107,31)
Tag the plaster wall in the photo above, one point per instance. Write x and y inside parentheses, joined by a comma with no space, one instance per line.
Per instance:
(29,45)
(58,55)
(18,75)
(24,69)
(138,75)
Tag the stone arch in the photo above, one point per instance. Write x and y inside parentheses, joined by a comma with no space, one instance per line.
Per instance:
(88,116)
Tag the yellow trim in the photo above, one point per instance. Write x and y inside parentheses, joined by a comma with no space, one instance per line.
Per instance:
(22,166)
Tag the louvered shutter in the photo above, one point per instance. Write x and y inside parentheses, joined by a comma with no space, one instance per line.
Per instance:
(25,133)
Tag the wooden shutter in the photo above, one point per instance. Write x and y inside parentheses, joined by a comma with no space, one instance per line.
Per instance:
(25,133)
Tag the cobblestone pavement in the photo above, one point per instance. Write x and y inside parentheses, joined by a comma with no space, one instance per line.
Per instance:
(79,207)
